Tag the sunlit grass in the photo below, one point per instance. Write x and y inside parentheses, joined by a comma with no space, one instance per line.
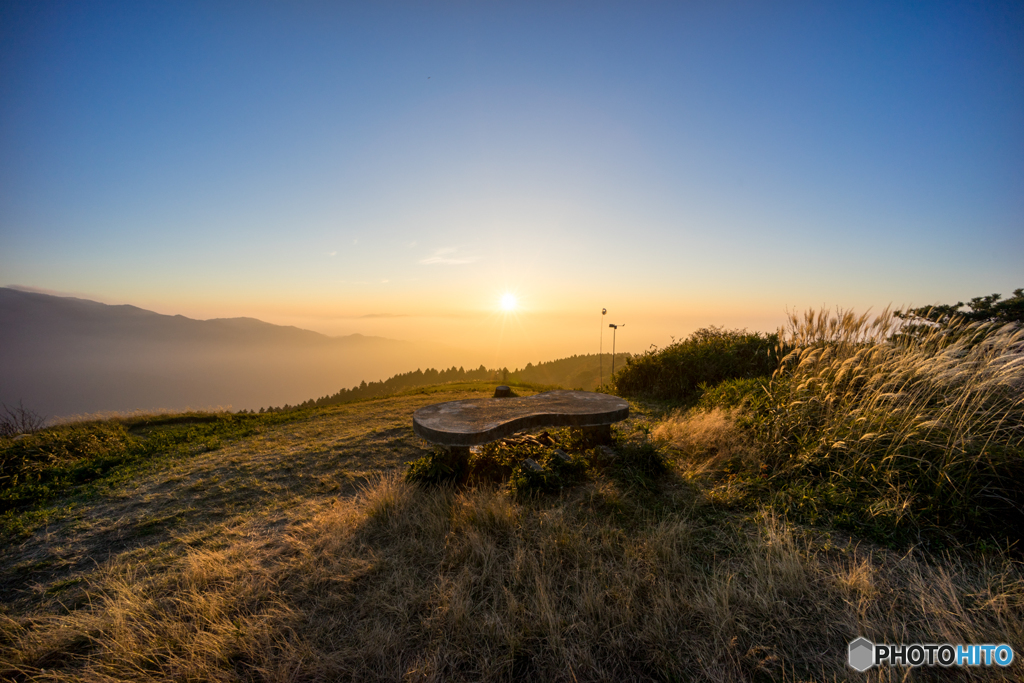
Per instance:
(400,582)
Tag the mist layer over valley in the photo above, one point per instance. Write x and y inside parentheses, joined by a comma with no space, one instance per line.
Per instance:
(63,356)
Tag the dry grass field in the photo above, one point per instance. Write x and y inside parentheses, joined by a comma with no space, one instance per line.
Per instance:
(300,553)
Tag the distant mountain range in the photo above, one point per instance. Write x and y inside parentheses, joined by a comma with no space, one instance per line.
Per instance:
(63,356)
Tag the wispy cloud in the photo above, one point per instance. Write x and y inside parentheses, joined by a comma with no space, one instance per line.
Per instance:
(332,253)
(385,315)
(448,256)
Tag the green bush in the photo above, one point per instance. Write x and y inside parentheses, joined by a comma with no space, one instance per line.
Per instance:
(502,462)
(440,467)
(708,356)
(557,473)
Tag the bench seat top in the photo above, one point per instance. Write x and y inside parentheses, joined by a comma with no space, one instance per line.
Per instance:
(481,420)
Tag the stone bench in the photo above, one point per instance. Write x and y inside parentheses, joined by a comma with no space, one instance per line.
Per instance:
(472,422)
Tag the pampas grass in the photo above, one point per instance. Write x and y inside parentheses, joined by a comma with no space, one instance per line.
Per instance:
(926,420)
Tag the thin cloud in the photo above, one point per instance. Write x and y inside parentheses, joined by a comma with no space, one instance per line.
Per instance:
(448,256)
(385,315)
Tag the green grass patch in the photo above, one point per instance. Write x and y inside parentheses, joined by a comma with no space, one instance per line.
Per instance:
(57,463)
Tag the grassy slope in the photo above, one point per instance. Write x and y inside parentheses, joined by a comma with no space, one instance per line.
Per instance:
(307,456)
(295,553)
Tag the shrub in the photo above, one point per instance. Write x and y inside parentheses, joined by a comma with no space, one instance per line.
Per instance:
(440,467)
(503,461)
(557,473)
(708,356)
(639,463)
(57,458)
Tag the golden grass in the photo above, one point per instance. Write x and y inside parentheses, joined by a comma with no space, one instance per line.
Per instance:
(707,440)
(384,580)
(400,583)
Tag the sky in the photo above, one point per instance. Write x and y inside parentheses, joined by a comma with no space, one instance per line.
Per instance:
(397,168)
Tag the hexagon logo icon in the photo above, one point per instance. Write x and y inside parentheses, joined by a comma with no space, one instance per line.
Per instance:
(862,654)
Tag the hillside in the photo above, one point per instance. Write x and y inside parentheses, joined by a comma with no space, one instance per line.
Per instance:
(287,546)
(575,372)
(64,356)
(585,371)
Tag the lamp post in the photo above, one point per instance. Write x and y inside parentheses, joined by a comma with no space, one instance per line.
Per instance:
(615,328)
(600,351)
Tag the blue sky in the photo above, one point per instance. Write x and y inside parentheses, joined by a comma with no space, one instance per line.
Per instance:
(681,164)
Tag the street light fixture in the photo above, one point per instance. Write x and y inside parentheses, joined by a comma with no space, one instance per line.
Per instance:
(614,329)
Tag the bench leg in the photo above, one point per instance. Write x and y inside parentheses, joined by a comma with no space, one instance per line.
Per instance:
(460,457)
(598,435)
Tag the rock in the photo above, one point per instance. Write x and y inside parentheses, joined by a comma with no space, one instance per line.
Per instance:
(561,456)
(532,465)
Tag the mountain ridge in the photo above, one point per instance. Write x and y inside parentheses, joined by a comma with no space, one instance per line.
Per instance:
(18,306)
(65,356)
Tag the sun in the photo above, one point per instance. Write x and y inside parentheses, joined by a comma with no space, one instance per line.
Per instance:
(508,303)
